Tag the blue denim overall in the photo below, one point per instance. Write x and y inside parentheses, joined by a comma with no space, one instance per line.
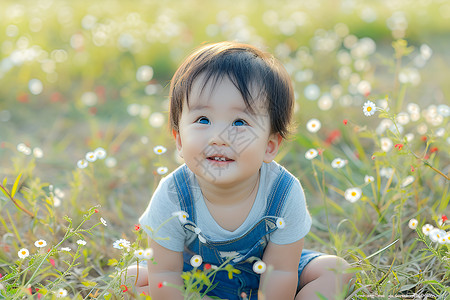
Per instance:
(247,248)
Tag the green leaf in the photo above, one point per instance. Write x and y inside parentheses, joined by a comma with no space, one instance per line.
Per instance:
(5,181)
(321,297)
(89,283)
(16,184)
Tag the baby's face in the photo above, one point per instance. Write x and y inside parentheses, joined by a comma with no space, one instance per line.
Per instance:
(219,139)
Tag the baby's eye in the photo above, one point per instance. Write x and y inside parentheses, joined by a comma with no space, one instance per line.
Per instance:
(203,120)
(239,122)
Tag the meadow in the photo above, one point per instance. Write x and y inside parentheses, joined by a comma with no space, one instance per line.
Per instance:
(84,138)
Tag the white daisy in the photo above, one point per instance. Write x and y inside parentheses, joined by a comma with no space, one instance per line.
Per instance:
(311,153)
(368,179)
(338,163)
(369,108)
(159,150)
(91,157)
(313,125)
(448,237)
(443,239)
(121,244)
(353,194)
(81,242)
(386,172)
(259,267)
(100,153)
(82,163)
(103,222)
(140,253)
(413,108)
(156,119)
(409,137)
(427,228)
(40,243)
(162,170)
(412,224)
(280,223)
(61,293)
(67,249)
(436,234)
(23,253)
(386,144)
(407,181)
(182,216)
(402,118)
(196,261)
(148,253)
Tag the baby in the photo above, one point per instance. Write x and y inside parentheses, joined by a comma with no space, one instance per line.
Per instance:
(231,107)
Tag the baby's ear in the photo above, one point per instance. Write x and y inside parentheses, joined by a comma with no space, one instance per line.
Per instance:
(273,145)
(176,136)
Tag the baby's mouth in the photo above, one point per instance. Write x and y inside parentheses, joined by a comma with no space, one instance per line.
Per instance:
(219,158)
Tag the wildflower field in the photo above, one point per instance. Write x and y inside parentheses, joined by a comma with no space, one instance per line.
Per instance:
(84,139)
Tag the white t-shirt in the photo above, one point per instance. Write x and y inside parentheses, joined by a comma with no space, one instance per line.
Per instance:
(173,236)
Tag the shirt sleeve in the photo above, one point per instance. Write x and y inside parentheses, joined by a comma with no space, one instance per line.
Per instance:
(296,217)
(158,221)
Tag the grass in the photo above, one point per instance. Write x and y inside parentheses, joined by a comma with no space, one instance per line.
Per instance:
(89,94)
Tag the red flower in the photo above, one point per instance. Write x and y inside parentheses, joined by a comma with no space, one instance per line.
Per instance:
(160,285)
(412,169)
(22,97)
(52,261)
(400,146)
(55,97)
(444,218)
(345,122)
(95,210)
(424,138)
(207,266)
(333,137)
(124,288)
(320,151)
(426,157)
(434,149)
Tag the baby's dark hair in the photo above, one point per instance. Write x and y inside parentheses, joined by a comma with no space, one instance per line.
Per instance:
(249,69)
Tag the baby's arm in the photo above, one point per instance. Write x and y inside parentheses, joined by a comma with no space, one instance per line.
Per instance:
(281,282)
(168,267)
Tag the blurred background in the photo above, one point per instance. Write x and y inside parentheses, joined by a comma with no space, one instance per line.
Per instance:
(78,75)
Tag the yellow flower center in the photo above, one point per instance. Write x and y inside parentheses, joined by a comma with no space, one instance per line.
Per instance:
(353,194)
(369,108)
(24,252)
(313,125)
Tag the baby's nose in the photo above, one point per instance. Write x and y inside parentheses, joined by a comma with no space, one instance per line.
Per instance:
(219,136)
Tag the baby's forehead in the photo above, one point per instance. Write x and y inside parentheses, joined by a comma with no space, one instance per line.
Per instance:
(253,96)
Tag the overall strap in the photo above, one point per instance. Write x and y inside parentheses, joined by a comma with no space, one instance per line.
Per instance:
(181,176)
(280,189)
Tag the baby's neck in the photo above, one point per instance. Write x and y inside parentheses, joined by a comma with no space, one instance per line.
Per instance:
(230,195)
